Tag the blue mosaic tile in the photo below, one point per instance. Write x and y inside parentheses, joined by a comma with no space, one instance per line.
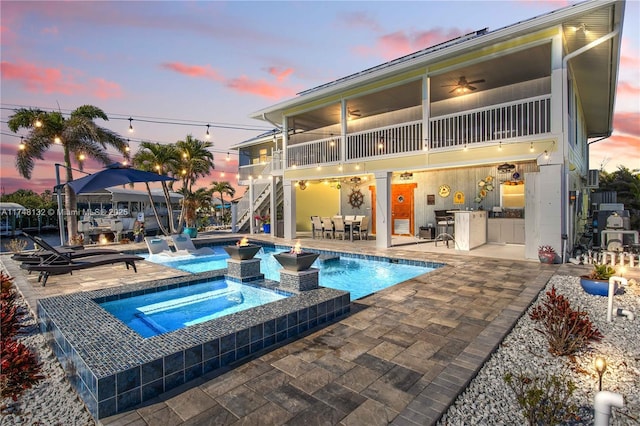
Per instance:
(242,337)
(211,349)
(173,380)
(227,358)
(152,389)
(193,356)
(152,371)
(227,343)
(210,365)
(257,333)
(127,380)
(128,399)
(193,372)
(173,363)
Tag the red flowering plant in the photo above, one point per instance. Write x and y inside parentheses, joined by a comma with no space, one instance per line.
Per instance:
(263,219)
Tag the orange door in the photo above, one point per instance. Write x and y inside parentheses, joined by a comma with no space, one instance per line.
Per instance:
(402,208)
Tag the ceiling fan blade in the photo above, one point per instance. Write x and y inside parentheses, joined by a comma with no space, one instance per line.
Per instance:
(454,89)
(472,88)
(476,81)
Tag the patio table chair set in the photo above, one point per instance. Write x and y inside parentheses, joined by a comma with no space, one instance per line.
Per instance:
(340,227)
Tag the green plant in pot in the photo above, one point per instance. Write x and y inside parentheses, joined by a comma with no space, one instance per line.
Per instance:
(597,282)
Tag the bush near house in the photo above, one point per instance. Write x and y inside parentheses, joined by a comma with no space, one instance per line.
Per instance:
(19,367)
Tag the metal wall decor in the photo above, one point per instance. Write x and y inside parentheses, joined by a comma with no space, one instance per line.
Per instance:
(356,198)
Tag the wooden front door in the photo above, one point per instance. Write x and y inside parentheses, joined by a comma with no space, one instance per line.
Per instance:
(402,208)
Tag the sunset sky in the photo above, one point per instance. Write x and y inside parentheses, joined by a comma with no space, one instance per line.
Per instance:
(175,66)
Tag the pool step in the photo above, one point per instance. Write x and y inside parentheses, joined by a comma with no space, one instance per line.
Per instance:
(328,257)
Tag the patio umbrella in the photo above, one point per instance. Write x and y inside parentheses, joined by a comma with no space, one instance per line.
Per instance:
(114,174)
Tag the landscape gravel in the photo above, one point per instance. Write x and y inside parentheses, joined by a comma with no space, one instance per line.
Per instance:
(486,401)
(489,401)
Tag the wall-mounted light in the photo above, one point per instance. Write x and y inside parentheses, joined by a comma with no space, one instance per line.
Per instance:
(600,365)
(130,125)
(406,176)
(302,184)
(531,147)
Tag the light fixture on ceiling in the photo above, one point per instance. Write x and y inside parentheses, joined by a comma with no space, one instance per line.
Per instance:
(302,184)
(355,180)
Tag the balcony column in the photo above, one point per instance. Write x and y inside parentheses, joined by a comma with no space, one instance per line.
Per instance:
(272,205)
(289,209)
(252,207)
(343,131)
(383,210)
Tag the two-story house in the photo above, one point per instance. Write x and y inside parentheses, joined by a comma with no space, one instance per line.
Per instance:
(494,120)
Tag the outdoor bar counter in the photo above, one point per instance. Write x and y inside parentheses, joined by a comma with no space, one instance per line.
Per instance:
(470,228)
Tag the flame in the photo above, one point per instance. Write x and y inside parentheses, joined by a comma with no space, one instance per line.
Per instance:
(297,249)
(243,242)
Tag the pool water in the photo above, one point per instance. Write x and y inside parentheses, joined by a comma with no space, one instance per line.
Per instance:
(360,277)
(157,313)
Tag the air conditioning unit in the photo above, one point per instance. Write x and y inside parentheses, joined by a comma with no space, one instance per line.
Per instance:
(593,179)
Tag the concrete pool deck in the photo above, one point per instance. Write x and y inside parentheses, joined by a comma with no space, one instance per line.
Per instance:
(402,356)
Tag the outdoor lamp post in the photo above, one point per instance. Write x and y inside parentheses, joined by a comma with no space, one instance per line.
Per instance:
(601,366)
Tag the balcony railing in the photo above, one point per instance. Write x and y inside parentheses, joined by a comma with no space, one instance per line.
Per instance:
(524,118)
(399,139)
(505,121)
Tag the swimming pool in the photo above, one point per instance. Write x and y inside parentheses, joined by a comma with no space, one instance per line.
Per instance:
(153,314)
(359,276)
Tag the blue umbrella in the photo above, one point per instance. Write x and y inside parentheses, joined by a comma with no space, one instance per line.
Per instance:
(112,175)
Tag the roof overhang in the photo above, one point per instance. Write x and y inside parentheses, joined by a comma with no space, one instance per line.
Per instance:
(594,72)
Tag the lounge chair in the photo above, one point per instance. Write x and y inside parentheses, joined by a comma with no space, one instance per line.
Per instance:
(183,242)
(45,255)
(159,247)
(62,263)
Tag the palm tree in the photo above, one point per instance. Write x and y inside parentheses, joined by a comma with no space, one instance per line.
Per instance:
(196,161)
(164,160)
(194,200)
(223,188)
(79,136)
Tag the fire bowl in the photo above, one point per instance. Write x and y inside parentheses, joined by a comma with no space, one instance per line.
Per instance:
(242,252)
(296,262)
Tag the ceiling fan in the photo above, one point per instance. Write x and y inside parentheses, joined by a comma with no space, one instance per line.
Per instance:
(354,113)
(464,86)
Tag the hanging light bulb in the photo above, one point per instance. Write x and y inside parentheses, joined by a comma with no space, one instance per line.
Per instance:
(228,157)
(221,174)
(127,148)
(185,155)
(125,162)
(81,157)
(57,140)
(546,154)
(465,146)
(22,146)
(500,146)
(130,125)
(207,134)
(38,123)
(184,172)
(157,167)
(531,147)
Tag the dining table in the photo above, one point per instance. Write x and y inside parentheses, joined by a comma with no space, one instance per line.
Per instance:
(349,226)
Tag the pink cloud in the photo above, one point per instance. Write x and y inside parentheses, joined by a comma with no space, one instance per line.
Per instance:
(628,123)
(400,43)
(37,79)
(259,87)
(616,150)
(194,70)
(280,74)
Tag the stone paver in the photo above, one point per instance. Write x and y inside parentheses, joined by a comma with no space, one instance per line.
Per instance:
(401,357)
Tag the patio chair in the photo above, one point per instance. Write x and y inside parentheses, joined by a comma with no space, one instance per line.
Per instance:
(316,226)
(182,242)
(362,230)
(43,255)
(159,247)
(338,227)
(62,263)
(327,227)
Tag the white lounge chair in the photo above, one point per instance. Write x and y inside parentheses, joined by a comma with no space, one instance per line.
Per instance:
(158,247)
(183,242)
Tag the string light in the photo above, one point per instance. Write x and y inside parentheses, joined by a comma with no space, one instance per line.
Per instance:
(38,123)
(81,157)
(57,140)
(208,136)
(228,156)
(130,125)
(22,146)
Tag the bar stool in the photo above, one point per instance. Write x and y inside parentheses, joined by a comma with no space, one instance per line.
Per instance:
(444,227)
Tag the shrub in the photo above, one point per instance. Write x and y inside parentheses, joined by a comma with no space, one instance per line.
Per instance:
(10,315)
(15,245)
(20,369)
(543,400)
(602,272)
(567,331)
